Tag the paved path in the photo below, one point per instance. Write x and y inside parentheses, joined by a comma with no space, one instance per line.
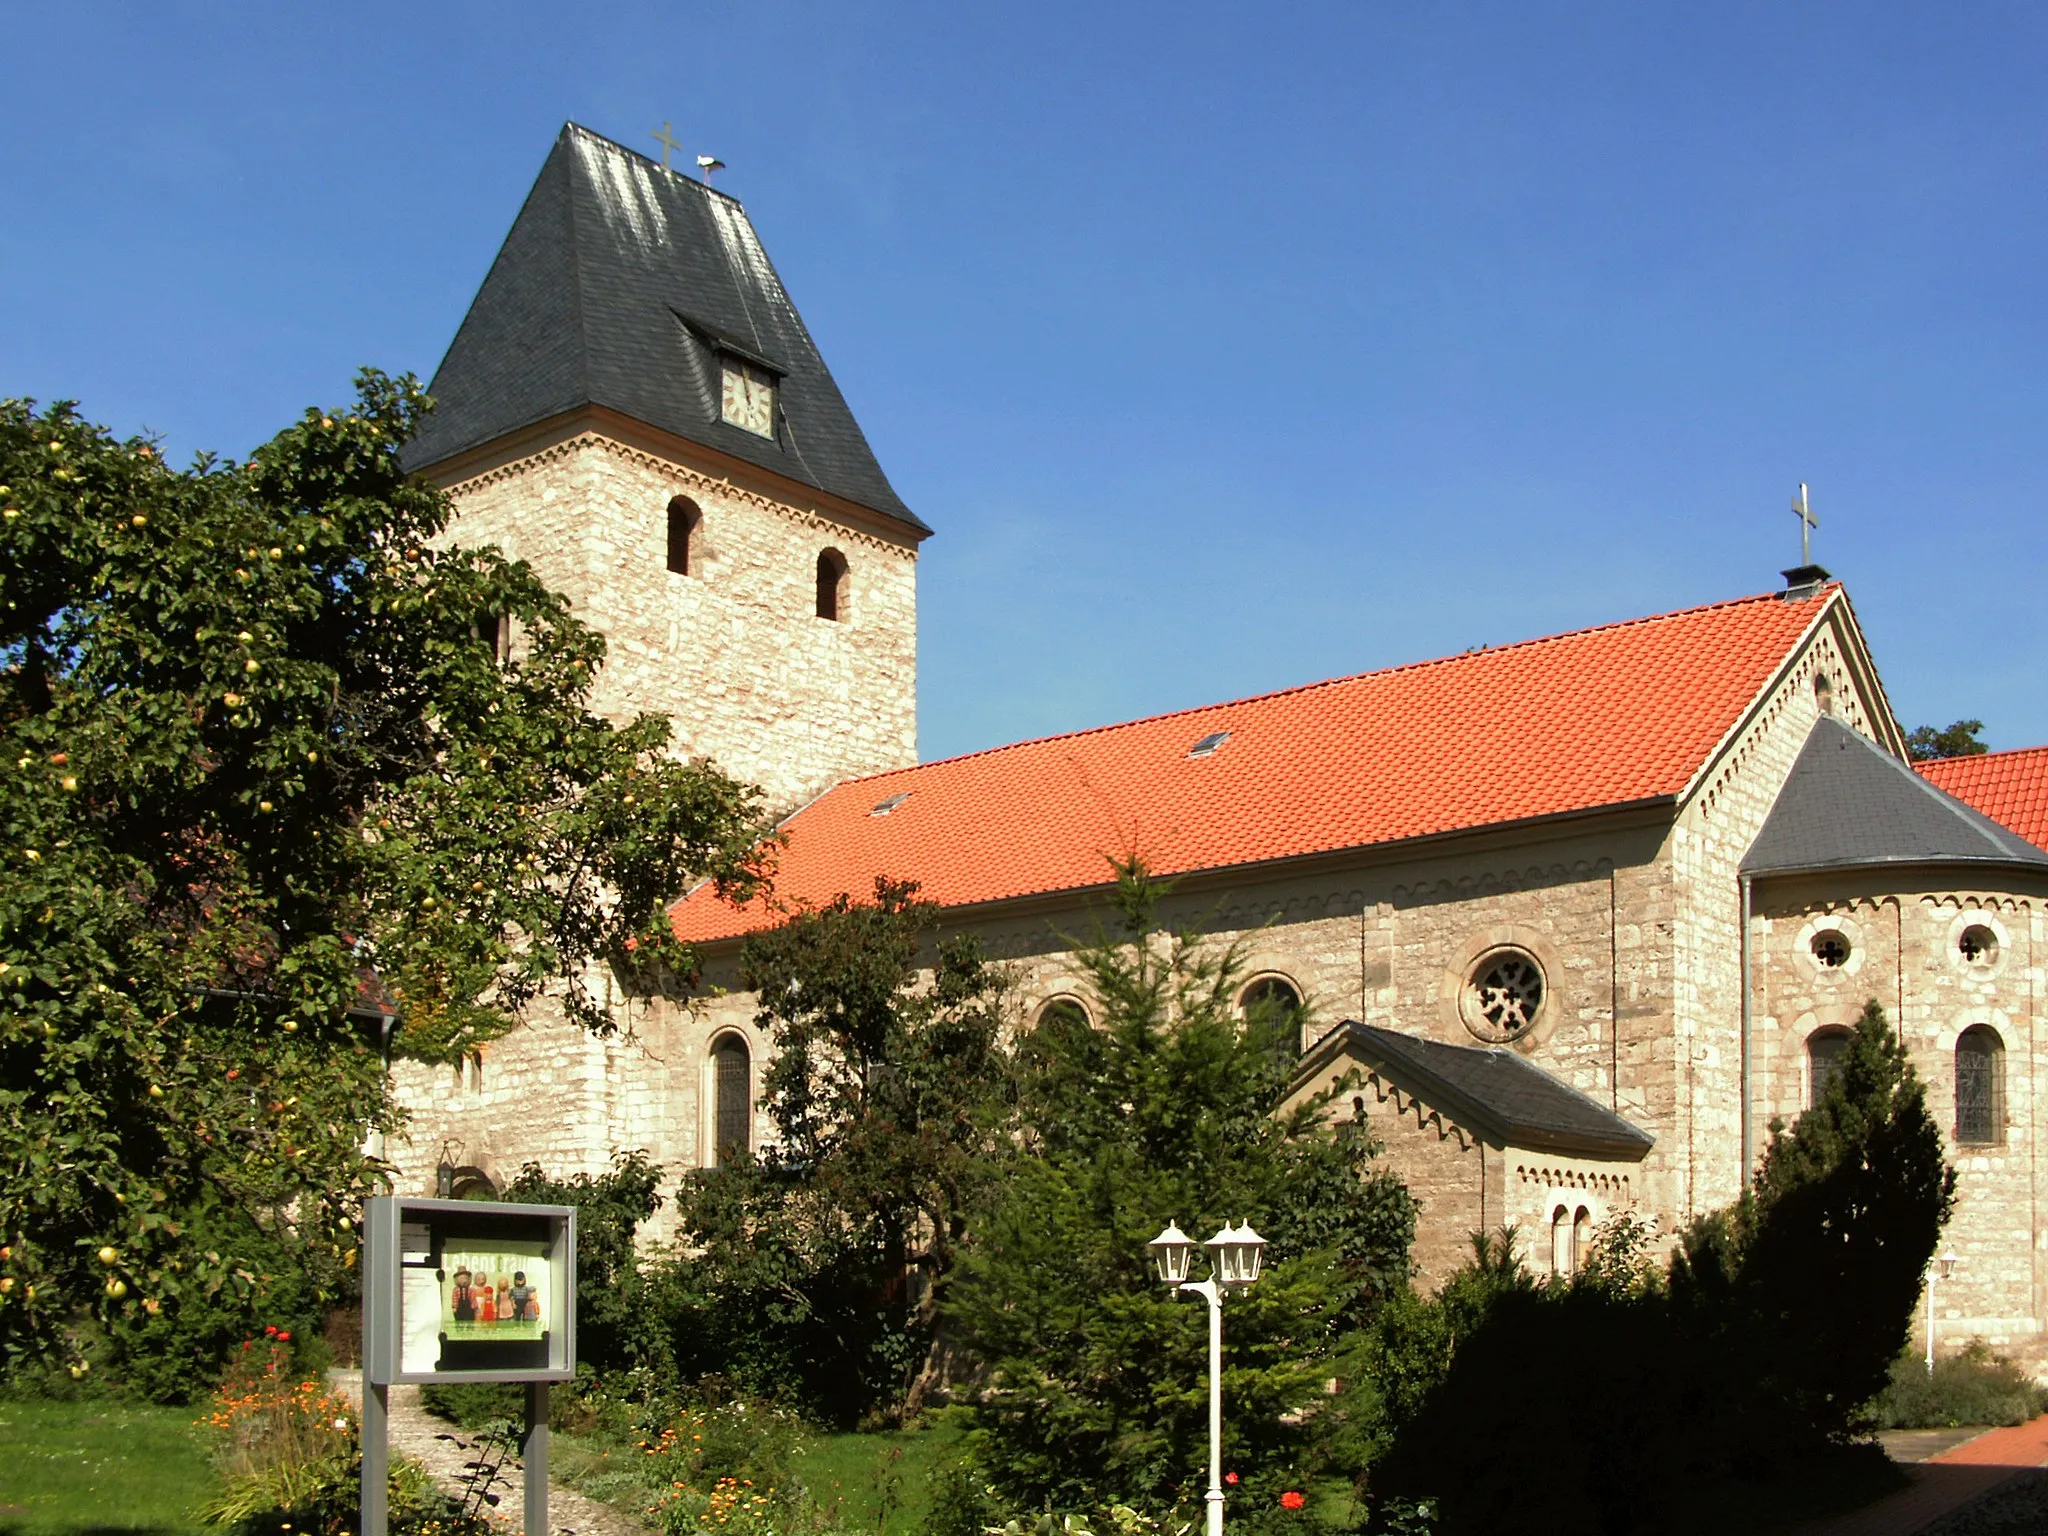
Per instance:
(1961,1491)
(417,1433)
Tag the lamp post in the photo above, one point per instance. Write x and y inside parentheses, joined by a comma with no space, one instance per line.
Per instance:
(1942,1267)
(1234,1254)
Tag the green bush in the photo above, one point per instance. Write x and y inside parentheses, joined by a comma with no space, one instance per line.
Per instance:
(1972,1386)
(1623,1397)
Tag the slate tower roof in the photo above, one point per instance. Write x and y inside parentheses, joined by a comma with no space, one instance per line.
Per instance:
(619,285)
(1848,802)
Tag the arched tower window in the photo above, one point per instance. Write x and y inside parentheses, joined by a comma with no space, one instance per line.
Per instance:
(1561,1241)
(1980,1086)
(1582,1238)
(831,584)
(1272,1012)
(683,518)
(1824,1051)
(732,1100)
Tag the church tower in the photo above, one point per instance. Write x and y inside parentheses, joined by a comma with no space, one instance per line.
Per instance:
(633,406)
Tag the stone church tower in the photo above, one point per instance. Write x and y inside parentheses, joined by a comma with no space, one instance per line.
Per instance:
(633,406)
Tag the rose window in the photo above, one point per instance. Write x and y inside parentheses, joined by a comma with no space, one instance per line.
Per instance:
(1504,996)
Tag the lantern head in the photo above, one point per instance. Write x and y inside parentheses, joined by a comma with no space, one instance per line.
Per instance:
(1948,1263)
(1172,1252)
(1234,1255)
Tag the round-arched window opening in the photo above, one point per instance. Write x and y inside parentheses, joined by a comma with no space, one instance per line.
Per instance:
(1273,1010)
(683,522)
(1824,692)
(1825,1049)
(1065,1013)
(1980,1086)
(1504,995)
(831,584)
(1831,949)
(732,1101)
(1978,944)
(472,1184)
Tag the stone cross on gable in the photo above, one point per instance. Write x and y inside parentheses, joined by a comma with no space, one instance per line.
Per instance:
(662,138)
(1807,523)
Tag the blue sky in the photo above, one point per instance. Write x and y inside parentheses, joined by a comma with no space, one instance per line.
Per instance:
(1226,346)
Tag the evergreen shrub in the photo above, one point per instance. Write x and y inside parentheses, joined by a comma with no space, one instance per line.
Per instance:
(1971,1386)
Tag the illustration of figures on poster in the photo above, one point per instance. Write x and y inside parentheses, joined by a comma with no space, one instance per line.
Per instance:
(497,1292)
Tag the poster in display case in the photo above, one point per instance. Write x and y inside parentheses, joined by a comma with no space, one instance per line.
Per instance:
(463,1290)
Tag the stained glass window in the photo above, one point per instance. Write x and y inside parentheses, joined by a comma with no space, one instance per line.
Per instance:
(1980,1086)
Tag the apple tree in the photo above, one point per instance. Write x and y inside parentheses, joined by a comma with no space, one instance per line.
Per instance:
(268,776)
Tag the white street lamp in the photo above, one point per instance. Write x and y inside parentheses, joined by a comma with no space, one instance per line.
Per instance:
(1942,1267)
(1234,1257)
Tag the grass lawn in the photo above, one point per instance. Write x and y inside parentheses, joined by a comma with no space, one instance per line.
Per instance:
(876,1482)
(67,1469)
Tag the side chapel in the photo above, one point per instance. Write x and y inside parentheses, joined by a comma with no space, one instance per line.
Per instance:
(1583,914)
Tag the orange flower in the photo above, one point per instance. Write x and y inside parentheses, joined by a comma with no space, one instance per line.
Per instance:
(1291,1500)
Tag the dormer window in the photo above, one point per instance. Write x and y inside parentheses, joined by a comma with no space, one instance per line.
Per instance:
(747,396)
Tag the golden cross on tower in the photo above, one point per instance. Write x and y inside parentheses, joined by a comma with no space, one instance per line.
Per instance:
(1807,523)
(662,138)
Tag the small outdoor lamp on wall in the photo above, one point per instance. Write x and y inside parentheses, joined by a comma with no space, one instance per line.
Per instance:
(1939,1269)
(1235,1254)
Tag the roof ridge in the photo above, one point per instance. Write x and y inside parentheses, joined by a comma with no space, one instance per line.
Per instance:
(1988,827)
(1333,682)
(570,125)
(1972,758)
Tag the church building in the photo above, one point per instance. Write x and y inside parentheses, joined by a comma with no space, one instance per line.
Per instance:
(1578,917)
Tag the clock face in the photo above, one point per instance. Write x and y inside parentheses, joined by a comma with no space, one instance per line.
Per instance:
(748,399)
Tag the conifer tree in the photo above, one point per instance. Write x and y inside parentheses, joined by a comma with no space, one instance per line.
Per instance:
(1164,1108)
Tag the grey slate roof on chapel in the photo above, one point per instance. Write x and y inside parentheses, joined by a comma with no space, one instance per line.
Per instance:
(619,285)
(1848,802)
(1490,1090)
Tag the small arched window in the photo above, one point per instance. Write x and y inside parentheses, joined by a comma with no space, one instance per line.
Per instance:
(1561,1241)
(1066,1012)
(732,1100)
(831,584)
(1980,1086)
(1272,1014)
(1582,1238)
(1824,1051)
(683,519)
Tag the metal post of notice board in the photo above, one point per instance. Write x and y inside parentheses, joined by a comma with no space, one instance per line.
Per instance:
(465,1291)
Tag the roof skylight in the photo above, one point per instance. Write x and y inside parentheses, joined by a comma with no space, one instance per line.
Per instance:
(1207,746)
(884,807)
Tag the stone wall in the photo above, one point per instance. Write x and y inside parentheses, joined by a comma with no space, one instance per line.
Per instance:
(733,652)
(1903,933)
(1699,1083)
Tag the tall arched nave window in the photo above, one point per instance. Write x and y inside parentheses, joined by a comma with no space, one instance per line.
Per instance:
(732,1100)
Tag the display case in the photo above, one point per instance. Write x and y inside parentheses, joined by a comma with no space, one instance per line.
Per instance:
(468,1290)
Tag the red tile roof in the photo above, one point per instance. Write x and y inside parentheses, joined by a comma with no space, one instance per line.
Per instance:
(1600,717)
(2009,787)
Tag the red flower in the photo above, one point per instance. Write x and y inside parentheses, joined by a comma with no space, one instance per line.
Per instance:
(1291,1500)
(1230,1478)
(285,1337)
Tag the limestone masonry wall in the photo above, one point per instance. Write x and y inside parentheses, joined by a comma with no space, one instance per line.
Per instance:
(1712,833)
(734,651)
(1904,950)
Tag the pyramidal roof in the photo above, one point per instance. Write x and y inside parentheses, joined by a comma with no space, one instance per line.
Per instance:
(2009,787)
(620,285)
(1849,802)
(1625,714)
